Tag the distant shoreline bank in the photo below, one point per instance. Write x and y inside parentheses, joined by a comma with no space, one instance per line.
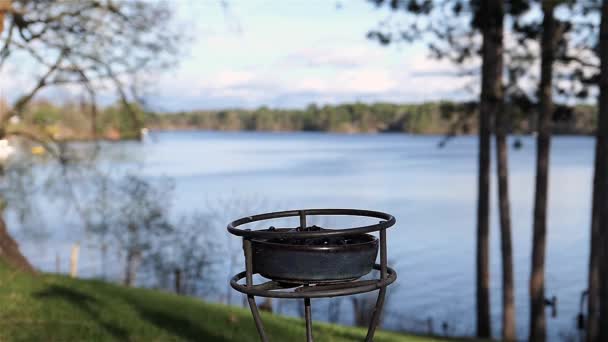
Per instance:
(434,118)
(439,134)
(88,139)
(442,118)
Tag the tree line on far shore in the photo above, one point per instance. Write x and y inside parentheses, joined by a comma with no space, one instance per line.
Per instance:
(442,117)
(71,121)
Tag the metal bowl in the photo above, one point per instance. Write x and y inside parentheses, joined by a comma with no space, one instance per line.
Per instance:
(311,261)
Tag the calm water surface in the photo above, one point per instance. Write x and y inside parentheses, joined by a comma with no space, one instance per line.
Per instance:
(431,191)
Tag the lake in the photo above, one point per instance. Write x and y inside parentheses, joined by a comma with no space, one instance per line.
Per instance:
(431,191)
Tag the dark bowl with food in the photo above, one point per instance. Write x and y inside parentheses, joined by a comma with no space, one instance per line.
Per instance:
(314,260)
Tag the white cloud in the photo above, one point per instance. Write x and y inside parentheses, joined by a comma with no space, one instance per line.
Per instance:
(233,78)
(321,74)
(343,57)
(290,86)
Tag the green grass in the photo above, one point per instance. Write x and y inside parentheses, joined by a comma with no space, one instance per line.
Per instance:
(57,308)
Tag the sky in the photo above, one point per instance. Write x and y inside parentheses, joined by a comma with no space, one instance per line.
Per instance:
(286,54)
(291,53)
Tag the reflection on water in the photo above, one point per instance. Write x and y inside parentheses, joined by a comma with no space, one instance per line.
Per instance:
(431,191)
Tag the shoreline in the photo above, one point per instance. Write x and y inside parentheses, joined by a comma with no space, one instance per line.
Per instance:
(349,133)
(443,134)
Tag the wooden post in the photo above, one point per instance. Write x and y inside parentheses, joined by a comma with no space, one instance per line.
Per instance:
(104,249)
(74,260)
(57,263)
(178,281)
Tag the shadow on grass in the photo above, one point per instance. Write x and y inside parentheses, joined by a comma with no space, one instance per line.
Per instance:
(85,304)
(176,324)
(168,319)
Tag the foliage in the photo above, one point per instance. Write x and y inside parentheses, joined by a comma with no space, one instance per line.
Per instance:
(72,121)
(428,118)
(187,256)
(354,117)
(450,29)
(88,44)
(453,118)
(134,214)
(127,122)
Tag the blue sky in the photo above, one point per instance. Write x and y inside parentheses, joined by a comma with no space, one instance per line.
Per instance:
(292,53)
(282,54)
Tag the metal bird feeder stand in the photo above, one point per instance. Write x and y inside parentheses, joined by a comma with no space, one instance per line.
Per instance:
(313,262)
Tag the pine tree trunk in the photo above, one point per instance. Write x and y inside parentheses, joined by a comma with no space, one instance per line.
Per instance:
(537,278)
(495,66)
(506,248)
(491,98)
(602,134)
(483,230)
(593,298)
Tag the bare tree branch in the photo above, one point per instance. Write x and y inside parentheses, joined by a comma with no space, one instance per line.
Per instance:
(42,82)
(98,43)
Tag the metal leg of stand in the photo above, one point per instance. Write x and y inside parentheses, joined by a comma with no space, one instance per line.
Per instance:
(373,324)
(307,311)
(257,319)
(308,315)
(376,317)
(251,299)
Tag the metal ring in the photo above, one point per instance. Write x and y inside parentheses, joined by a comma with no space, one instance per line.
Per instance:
(389,221)
(353,287)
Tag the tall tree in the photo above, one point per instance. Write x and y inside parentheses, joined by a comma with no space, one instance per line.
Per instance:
(491,19)
(9,249)
(583,56)
(451,29)
(595,243)
(586,64)
(493,70)
(602,184)
(506,245)
(87,45)
(549,38)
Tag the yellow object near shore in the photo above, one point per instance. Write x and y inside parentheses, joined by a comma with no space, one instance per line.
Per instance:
(38,150)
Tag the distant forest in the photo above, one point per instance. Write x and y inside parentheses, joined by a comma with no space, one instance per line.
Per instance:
(72,121)
(428,118)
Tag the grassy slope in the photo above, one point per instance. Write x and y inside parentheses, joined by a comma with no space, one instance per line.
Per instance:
(57,308)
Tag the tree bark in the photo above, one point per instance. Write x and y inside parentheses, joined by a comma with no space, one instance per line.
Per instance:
(495,61)
(491,97)
(593,298)
(506,247)
(602,183)
(9,251)
(537,276)
(483,233)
